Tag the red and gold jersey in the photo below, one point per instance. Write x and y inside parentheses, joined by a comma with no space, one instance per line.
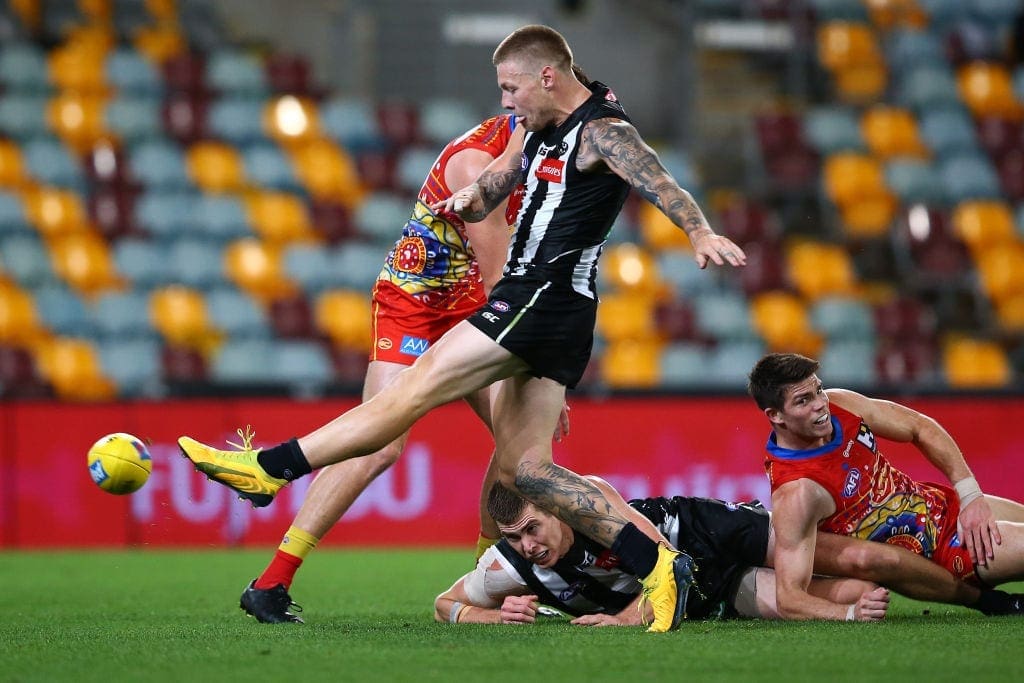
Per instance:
(874,500)
(433,260)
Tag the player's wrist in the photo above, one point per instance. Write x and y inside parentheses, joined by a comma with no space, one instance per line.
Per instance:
(967,490)
(851,612)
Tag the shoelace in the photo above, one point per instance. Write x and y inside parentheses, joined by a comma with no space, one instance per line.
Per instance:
(247,436)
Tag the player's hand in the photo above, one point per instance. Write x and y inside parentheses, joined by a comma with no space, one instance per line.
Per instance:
(562,429)
(872,606)
(603,620)
(519,609)
(979,531)
(711,248)
(466,201)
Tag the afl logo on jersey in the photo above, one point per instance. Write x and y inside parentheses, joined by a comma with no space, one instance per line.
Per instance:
(852,482)
(500,306)
(524,163)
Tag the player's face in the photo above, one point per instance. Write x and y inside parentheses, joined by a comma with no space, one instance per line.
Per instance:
(538,536)
(804,421)
(523,92)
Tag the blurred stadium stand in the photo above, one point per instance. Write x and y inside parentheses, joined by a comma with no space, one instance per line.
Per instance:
(191,194)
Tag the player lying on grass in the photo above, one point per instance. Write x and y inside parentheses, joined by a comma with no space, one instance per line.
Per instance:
(540,560)
(827,473)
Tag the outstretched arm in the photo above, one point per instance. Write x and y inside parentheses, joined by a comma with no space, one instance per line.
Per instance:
(617,144)
(899,423)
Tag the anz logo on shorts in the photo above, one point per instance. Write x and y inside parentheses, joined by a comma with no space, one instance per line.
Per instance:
(413,346)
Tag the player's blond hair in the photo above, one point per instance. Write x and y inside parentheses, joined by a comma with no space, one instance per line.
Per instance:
(537,46)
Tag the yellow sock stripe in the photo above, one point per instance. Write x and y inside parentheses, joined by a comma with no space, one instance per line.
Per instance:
(297,542)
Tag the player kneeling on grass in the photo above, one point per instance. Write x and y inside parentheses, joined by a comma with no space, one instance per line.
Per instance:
(541,560)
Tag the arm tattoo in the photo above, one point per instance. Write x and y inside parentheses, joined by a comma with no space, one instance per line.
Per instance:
(494,187)
(621,148)
(571,498)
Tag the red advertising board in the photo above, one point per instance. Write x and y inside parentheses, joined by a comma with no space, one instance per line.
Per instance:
(648,446)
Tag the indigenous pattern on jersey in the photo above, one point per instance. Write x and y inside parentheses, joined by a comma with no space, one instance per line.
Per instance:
(433,260)
(874,500)
(723,538)
(566,215)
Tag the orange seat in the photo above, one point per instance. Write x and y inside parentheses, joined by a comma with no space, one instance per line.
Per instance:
(627,316)
(344,316)
(327,172)
(631,365)
(975,364)
(78,68)
(12,166)
(73,367)
(99,10)
(179,314)
(818,269)
(628,267)
(870,217)
(983,223)
(77,119)
(889,14)
(290,120)
(892,132)
(844,44)
(55,211)
(19,320)
(861,83)
(159,42)
(29,11)
(658,230)
(987,90)
(279,217)
(258,268)
(83,260)
(1010,312)
(782,320)
(215,167)
(1001,268)
(852,177)
(164,10)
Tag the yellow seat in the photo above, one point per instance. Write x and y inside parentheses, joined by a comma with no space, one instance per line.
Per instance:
(54,211)
(1001,268)
(987,90)
(983,223)
(19,319)
(159,42)
(782,320)
(97,10)
(164,10)
(631,365)
(83,260)
(327,172)
(659,232)
(78,68)
(889,14)
(344,316)
(627,316)
(179,314)
(12,166)
(279,217)
(844,44)
(73,367)
(29,11)
(975,364)
(1010,312)
(258,268)
(861,83)
(77,119)
(870,217)
(215,167)
(628,267)
(818,269)
(851,177)
(291,120)
(892,132)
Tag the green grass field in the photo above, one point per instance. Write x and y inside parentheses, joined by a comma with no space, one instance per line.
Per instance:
(173,616)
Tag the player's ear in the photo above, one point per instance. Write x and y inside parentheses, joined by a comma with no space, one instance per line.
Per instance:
(774,415)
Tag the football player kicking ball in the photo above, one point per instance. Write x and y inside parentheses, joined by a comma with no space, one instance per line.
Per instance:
(437,274)
(540,560)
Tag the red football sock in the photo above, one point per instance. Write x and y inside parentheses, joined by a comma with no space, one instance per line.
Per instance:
(280,570)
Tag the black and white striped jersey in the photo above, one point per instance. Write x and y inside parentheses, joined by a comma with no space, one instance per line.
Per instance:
(566,215)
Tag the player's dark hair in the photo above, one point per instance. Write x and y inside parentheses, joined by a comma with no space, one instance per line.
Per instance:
(773,373)
(504,505)
(539,45)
